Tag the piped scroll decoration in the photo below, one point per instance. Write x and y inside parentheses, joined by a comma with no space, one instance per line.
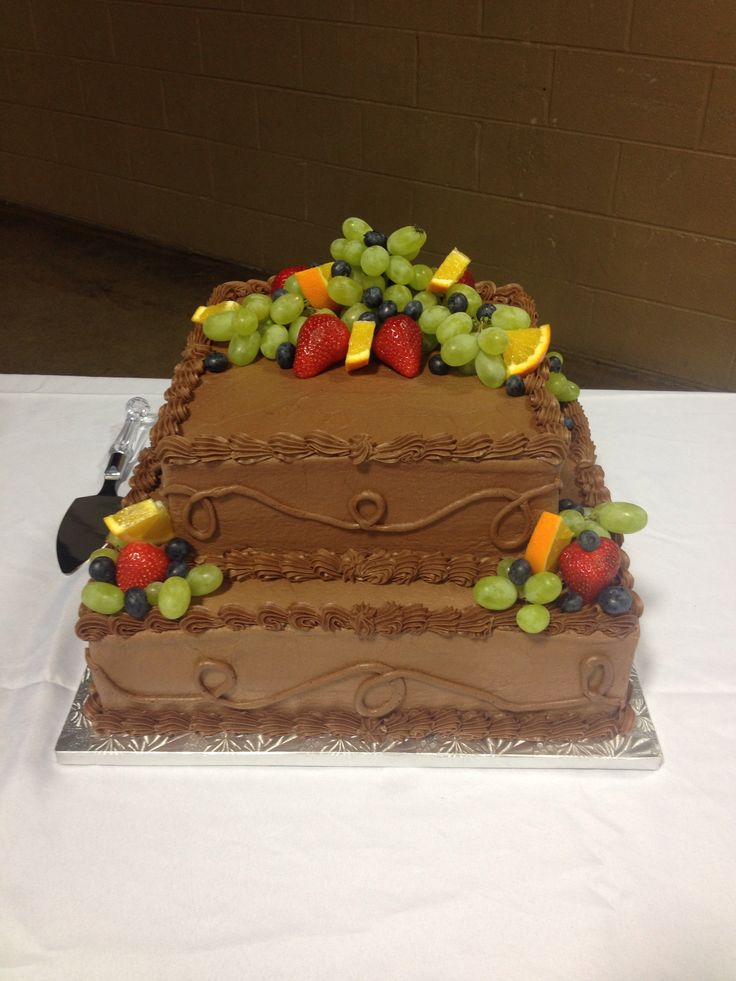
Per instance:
(378,676)
(199,516)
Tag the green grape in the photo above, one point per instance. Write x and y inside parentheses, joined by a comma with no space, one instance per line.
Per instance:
(493,340)
(400,270)
(399,294)
(107,553)
(344,290)
(286,308)
(570,392)
(510,318)
(354,229)
(431,318)
(406,240)
(460,349)
(374,260)
(294,329)
(292,285)
(271,339)
(337,248)
(502,569)
(543,587)
(429,343)
(259,303)
(490,369)
(245,321)
(472,296)
(467,369)
(219,327)
(368,281)
(427,299)
(556,354)
(327,311)
(421,276)
(352,313)
(103,597)
(114,540)
(532,618)
(495,593)
(174,597)
(204,579)
(556,383)
(411,256)
(456,323)
(353,252)
(620,516)
(264,325)
(244,350)
(574,520)
(152,591)
(589,525)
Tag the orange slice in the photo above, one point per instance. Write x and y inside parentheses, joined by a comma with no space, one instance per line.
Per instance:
(550,536)
(527,347)
(359,348)
(202,313)
(314,287)
(449,272)
(145,521)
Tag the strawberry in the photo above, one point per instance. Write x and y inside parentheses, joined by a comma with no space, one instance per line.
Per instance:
(468,278)
(589,572)
(140,564)
(399,345)
(280,278)
(323,341)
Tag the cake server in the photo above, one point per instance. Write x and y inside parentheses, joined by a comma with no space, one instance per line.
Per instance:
(82,529)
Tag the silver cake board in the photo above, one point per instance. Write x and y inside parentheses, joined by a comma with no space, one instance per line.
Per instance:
(78,743)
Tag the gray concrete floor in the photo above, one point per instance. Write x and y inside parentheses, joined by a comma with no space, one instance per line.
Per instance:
(78,300)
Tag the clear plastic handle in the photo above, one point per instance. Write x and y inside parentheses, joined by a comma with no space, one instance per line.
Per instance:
(137,413)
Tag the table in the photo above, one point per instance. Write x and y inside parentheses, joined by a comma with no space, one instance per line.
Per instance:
(113,872)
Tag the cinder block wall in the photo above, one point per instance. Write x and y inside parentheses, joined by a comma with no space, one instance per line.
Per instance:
(584,147)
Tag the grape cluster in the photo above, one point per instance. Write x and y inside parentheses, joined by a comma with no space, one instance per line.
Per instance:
(514,580)
(558,384)
(261,325)
(172,595)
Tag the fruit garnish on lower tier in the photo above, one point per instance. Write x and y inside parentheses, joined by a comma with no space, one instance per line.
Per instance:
(146,520)
(323,341)
(587,572)
(399,344)
(550,536)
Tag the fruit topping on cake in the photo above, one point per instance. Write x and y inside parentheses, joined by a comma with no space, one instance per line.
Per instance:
(359,348)
(449,271)
(140,564)
(588,572)
(282,275)
(399,345)
(146,520)
(323,341)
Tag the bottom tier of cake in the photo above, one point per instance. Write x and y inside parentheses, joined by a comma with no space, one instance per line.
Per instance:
(341,658)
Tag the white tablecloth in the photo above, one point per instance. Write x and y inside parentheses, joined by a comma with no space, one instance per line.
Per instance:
(222,872)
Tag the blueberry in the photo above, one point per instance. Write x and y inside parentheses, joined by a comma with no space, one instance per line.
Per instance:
(373,297)
(375,238)
(414,309)
(515,385)
(216,361)
(615,600)
(285,355)
(369,315)
(177,548)
(555,364)
(277,293)
(566,504)
(102,569)
(589,540)
(519,571)
(177,567)
(437,366)
(570,601)
(387,309)
(136,604)
(485,311)
(341,268)
(569,423)
(457,303)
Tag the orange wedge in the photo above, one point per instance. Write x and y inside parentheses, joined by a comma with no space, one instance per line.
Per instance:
(359,348)
(314,287)
(527,347)
(550,536)
(202,313)
(449,272)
